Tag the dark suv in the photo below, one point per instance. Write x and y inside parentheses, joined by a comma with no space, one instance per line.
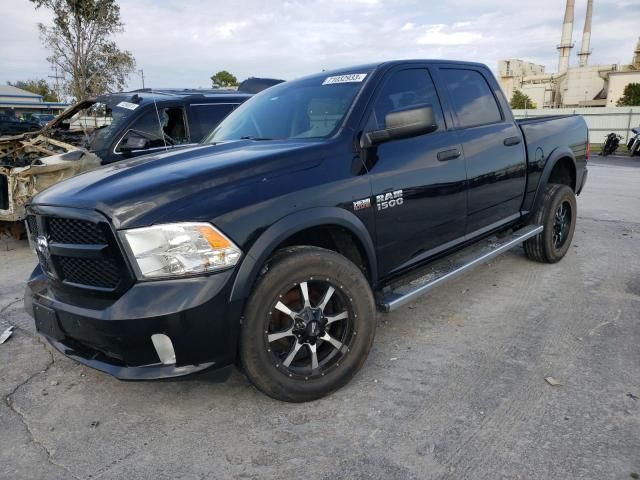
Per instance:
(129,124)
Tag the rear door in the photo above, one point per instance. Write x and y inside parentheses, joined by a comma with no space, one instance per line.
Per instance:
(493,147)
(417,183)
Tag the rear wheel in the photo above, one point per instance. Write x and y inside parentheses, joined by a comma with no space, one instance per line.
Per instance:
(309,325)
(557,213)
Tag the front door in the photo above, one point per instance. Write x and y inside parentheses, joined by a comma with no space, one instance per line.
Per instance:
(155,130)
(418,183)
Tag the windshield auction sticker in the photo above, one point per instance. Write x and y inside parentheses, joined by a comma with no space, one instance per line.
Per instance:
(130,106)
(350,78)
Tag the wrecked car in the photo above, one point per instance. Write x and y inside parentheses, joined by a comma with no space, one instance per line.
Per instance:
(10,125)
(103,130)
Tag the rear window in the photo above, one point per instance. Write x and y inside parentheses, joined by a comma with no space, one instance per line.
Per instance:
(209,115)
(472,100)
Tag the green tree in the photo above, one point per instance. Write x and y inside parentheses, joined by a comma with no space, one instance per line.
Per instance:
(80,41)
(521,101)
(39,87)
(224,79)
(630,96)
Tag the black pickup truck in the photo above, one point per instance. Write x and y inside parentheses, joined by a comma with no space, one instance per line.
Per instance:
(270,244)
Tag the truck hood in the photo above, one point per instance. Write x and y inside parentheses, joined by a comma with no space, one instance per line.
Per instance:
(143,190)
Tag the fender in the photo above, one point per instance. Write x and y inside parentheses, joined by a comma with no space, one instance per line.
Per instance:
(289,225)
(552,160)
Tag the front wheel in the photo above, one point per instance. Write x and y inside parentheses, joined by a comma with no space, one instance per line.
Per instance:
(309,325)
(557,213)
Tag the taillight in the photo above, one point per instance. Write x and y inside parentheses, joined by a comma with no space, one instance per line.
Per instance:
(588,150)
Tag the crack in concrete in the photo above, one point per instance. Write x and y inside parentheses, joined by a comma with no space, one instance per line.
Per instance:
(607,220)
(9,305)
(9,397)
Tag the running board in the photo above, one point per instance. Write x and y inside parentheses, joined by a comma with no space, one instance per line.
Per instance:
(462,262)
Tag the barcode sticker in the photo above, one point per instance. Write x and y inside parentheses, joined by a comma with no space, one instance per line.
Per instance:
(350,78)
(130,106)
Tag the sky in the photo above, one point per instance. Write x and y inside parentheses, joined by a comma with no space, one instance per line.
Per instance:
(181,43)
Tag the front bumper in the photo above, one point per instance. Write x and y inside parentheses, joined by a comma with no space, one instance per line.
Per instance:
(114,336)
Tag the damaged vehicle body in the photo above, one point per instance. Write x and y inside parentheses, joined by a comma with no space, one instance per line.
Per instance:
(104,130)
(29,165)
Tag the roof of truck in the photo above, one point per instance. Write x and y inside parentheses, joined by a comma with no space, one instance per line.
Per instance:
(370,67)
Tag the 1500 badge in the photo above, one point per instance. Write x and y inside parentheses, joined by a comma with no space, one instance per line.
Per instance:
(389,200)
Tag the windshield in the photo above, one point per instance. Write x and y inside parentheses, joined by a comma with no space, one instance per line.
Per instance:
(307,108)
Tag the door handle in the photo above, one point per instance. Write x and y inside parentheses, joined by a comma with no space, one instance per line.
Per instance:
(449,154)
(509,142)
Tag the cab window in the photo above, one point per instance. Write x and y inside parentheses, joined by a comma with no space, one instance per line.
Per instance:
(166,126)
(471,97)
(405,89)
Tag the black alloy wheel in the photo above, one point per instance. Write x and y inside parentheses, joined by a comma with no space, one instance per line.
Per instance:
(308,325)
(310,328)
(562,224)
(557,214)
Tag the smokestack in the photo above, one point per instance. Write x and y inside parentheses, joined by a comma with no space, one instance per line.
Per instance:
(565,46)
(586,36)
(636,57)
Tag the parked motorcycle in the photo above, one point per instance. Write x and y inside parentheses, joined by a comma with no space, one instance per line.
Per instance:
(610,144)
(633,145)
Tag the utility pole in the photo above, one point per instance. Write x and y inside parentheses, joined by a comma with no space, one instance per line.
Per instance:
(57,78)
(141,72)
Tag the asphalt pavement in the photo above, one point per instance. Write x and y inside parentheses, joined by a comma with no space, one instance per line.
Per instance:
(454,387)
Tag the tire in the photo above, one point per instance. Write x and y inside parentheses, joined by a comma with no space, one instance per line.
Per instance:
(270,336)
(554,241)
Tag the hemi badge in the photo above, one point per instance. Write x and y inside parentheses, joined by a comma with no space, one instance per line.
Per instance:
(360,204)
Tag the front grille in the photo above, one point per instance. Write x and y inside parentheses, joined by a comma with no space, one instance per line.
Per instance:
(103,273)
(71,230)
(79,252)
(33,227)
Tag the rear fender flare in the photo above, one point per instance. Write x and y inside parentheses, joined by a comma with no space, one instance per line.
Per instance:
(262,248)
(554,158)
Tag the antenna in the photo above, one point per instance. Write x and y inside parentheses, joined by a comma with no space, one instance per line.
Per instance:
(166,147)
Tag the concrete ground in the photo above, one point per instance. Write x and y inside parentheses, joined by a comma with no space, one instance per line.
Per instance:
(454,387)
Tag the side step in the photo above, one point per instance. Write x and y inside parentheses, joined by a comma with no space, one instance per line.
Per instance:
(451,267)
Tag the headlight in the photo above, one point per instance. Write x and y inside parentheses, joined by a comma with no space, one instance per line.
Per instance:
(176,249)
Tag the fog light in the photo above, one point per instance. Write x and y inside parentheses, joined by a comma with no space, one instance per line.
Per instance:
(164,348)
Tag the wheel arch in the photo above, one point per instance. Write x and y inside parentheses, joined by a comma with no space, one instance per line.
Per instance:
(287,228)
(559,168)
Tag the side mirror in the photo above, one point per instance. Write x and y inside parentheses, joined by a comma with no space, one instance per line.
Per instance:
(133,141)
(406,123)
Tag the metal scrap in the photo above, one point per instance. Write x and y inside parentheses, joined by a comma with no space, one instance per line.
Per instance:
(552,381)
(5,335)
(31,164)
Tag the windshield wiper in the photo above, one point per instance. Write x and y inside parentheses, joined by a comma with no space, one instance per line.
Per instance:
(250,137)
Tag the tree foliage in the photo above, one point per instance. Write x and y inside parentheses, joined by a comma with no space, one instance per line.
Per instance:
(81,45)
(224,79)
(521,101)
(630,96)
(39,87)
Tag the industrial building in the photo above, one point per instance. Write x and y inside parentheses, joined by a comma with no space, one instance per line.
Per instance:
(581,86)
